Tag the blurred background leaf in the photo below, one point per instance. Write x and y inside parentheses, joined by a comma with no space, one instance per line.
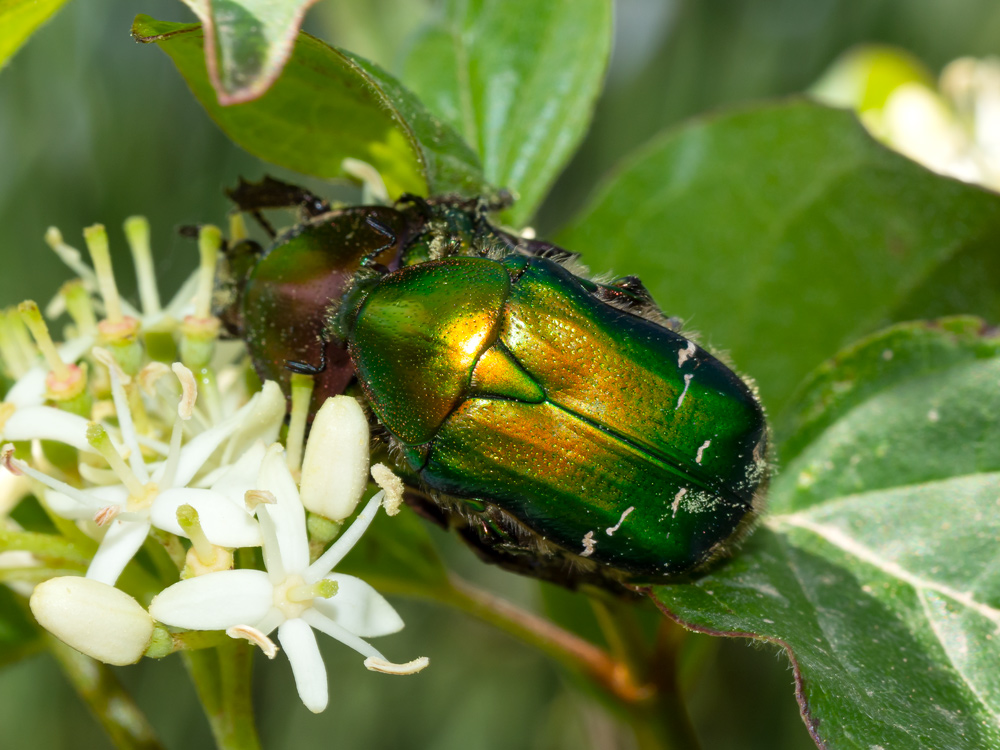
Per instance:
(518,79)
(18,21)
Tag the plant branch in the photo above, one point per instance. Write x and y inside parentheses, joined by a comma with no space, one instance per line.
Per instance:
(565,647)
(97,685)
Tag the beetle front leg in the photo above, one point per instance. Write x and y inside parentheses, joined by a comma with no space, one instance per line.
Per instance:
(304,368)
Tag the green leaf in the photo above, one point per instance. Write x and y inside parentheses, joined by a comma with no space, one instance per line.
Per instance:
(249,42)
(783,232)
(878,567)
(327,106)
(19,19)
(518,79)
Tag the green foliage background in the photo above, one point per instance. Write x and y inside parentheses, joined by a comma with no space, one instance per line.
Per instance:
(94,128)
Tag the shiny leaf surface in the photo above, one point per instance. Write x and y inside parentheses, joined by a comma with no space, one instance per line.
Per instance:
(518,79)
(876,568)
(328,106)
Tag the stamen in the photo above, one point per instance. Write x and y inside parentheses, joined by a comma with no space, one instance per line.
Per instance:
(302,388)
(99,439)
(255,637)
(188,519)
(253,498)
(97,244)
(79,306)
(9,462)
(107,514)
(124,411)
(137,234)
(345,542)
(19,333)
(13,357)
(32,318)
(150,374)
(237,227)
(392,485)
(322,589)
(189,391)
(388,667)
(21,468)
(209,242)
(71,257)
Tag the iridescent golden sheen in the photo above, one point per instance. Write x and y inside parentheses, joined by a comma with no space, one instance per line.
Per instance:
(418,336)
(607,434)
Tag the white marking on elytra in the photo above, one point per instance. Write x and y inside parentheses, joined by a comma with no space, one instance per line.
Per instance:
(687,383)
(933,415)
(677,500)
(701,451)
(612,529)
(588,544)
(685,354)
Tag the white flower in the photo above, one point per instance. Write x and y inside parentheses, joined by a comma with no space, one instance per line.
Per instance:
(94,618)
(293,596)
(152,494)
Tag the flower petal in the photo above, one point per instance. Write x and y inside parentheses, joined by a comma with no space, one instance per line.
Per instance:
(119,545)
(287,513)
(297,638)
(224,523)
(201,447)
(242,475)
(215,601)
(335,465)
(324,624)
(263,422)
(359,609)
(47,423)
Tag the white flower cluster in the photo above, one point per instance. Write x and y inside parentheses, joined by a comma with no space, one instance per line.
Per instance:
(134,452)
(952,128)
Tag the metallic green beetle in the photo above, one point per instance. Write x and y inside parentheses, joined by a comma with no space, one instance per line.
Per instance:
(561,425)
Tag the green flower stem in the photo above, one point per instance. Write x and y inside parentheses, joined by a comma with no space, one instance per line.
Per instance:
(50,546)
(221,678)
(236,668)
(167,553)
(97,685)
(36,573)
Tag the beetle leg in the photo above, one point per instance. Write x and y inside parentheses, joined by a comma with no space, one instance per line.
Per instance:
(418,202)
(304,368)
(369,260)
(630,294)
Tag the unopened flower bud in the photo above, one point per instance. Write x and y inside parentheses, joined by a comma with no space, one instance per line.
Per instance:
(94,618)
(335,466)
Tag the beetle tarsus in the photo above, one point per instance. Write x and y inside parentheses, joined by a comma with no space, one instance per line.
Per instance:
(304,368)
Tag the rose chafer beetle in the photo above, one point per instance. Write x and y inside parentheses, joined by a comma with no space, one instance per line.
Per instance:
(562,425)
